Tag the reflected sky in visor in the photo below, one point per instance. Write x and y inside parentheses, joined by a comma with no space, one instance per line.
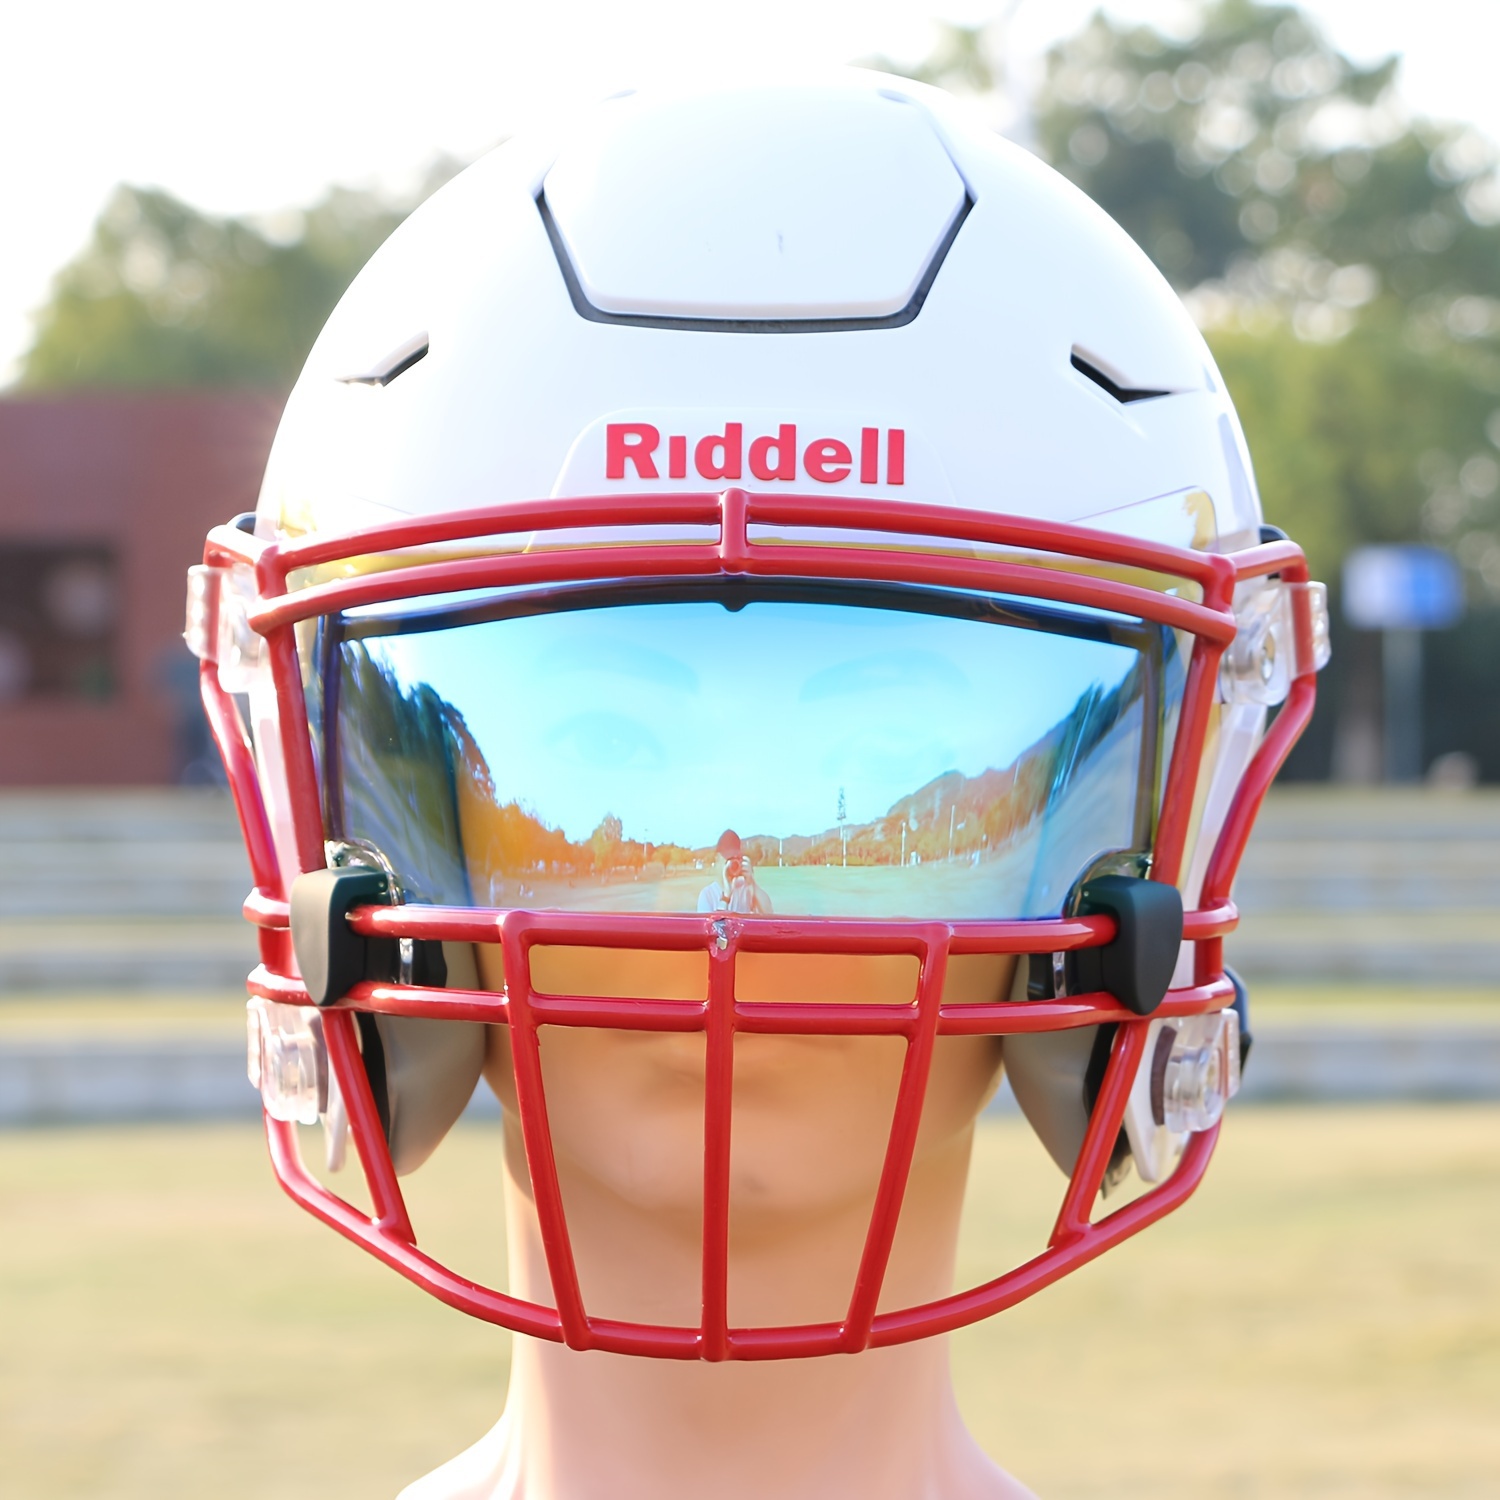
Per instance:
(871,761)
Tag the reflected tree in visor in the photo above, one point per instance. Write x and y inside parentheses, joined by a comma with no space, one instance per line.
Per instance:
(587,749)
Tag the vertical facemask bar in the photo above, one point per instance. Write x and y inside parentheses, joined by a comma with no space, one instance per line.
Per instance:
(1192,730)
(1148,778)
(718,1109)
(340,1032)
(1073,1218)
(536,1130)
(330,639)
(896,1170)
(230,735)
(1285,730)
(340,1027)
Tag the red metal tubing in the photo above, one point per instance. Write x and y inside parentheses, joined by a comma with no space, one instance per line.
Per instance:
(916,519)
(663,509)
(733,513)
(894,1327)
(531,1106)
(899,1327)
(895,1171)
(296,749)
(364,1125)
(1181,786)
(682,931)
(663,560)
(229,734)
(756,1017)
(1104,1129)
(262,909)
(672,931)
(718,1109)
(401,1255)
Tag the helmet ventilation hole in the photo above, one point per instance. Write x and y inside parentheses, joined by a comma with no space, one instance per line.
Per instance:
(1121,393)
(397,362)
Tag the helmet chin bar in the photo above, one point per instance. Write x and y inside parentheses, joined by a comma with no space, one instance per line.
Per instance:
(1103,944)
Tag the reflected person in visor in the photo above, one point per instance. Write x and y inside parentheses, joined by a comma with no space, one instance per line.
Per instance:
(735,889)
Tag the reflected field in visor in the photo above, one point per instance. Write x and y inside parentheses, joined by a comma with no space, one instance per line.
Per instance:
(806,750)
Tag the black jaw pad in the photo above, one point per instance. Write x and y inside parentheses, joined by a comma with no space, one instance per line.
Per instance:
(331,955)
(1137,966)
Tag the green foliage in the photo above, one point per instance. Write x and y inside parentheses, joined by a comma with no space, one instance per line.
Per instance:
(1344,260)
(166,296)
(1367,440)
(1208,146)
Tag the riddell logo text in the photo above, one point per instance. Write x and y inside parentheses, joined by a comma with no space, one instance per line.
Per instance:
(638,447)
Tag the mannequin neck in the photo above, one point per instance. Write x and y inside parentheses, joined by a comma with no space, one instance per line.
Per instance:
(881,1426)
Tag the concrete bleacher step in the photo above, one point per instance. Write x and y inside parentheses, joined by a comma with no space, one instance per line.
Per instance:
(141,889)
(132,889)
(1381,884)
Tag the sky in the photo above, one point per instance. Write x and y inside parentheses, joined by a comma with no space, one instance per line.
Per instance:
(255,109)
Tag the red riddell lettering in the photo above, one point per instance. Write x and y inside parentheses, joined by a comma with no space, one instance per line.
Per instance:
(630,442)
(895,456)
(784,446)
(727,445)
(771,457)
(827,460)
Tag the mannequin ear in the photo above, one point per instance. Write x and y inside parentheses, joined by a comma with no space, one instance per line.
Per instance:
(431,1069)
(1055,1076)
(1048,1072)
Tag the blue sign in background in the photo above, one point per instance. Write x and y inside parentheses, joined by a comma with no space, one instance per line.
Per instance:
(1402,588)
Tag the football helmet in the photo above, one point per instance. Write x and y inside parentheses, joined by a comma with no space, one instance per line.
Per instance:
(760,522)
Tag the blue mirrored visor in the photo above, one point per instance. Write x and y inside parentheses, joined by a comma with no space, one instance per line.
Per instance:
(804,750)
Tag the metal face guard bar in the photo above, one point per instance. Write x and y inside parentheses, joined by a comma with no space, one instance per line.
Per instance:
(1076,1238)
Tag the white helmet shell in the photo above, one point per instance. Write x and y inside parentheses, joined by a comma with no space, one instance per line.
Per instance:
(845,286)
(846,254)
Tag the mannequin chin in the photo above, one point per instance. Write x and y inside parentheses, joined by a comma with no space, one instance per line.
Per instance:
(811,1121)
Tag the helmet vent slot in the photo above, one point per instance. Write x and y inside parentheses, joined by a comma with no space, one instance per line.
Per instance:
(1112,387)
(397,362)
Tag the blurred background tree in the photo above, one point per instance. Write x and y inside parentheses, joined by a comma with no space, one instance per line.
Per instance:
(166,296)
(1343,260)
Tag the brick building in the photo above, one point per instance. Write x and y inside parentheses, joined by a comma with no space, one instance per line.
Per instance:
(104,502)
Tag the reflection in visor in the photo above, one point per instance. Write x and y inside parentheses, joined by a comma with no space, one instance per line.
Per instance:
(808,751)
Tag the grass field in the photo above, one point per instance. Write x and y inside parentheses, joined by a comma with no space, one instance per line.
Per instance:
(1323,1320)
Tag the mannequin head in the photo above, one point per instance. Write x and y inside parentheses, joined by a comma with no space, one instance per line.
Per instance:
(810,1126)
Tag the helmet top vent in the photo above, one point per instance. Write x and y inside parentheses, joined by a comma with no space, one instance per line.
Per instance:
(766,210)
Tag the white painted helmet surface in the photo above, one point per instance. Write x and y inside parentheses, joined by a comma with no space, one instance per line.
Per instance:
(842,287)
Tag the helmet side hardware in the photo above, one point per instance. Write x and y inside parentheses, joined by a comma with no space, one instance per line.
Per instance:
(1136,967)
(331,956)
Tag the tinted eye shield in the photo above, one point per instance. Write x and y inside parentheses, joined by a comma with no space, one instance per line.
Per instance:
(1050,564)
(588,747)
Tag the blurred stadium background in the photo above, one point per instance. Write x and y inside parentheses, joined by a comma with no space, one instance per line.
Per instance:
(1324,1320)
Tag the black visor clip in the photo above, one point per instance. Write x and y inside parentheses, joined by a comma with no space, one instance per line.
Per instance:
(333,957)
(1136,967)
